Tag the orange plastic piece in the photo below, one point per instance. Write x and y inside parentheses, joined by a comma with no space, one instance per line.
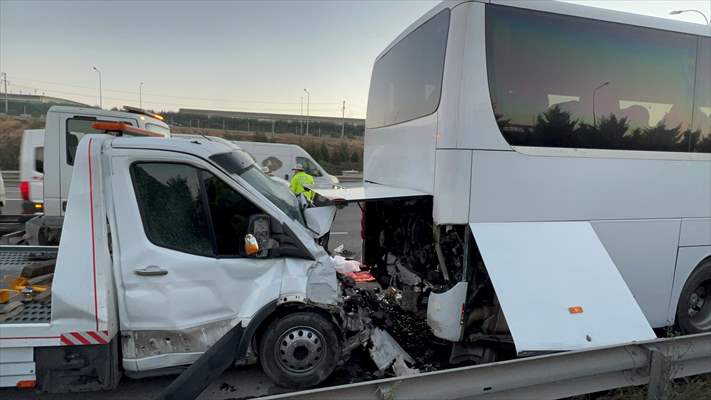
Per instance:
(251,246)
(6,294)
(121,127)
(575,310)
(26,384)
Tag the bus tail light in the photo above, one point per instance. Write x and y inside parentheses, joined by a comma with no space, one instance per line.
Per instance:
(25,190)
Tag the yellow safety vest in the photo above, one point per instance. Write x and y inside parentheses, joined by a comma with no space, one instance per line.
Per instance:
(298,181)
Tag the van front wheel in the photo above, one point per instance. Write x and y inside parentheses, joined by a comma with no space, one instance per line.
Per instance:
(694,310)
(299,350)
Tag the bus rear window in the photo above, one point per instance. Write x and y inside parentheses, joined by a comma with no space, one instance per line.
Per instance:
(407,81)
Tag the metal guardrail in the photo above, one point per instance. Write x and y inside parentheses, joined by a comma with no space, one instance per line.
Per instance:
(10,176)
(550,376)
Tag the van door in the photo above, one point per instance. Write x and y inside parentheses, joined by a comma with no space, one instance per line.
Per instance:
(72,128)
(184,278)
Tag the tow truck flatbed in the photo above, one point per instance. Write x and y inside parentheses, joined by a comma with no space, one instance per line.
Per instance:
(12,260)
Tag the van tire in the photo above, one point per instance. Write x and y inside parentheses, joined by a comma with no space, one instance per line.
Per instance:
(693,313)
(299,350)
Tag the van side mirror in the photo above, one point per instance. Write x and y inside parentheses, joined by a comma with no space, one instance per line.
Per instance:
(257,242)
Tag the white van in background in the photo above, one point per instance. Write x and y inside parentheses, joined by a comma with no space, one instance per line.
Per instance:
(280,158)
(32,171)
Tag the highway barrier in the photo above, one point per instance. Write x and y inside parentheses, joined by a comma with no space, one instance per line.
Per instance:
(559,375)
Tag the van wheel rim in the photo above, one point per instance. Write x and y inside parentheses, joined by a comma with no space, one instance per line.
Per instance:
(300,349)
(699,306)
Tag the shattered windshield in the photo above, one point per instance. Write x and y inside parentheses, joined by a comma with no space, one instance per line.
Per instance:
(239,162)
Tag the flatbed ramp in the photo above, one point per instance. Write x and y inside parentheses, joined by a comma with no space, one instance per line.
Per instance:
(560,375)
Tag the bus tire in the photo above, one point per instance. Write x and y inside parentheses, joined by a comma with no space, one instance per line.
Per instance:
(693,313)
(299,350)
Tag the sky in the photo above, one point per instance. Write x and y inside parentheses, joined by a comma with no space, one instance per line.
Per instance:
(230,55)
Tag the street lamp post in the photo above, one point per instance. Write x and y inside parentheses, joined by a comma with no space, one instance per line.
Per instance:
(677,12)
(301,117)
(308,100)
(594,101)
(101,104)
(140,95)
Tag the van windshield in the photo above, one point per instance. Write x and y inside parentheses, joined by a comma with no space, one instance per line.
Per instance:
(239,162)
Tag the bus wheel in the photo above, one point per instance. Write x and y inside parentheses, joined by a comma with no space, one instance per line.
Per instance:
(693,313)
(299,350)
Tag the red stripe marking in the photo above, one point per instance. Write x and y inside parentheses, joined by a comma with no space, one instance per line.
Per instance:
(80,338)
(66,341)
(93,245)
(96,337)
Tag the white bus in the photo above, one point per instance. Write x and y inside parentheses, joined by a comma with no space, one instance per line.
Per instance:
(539,173)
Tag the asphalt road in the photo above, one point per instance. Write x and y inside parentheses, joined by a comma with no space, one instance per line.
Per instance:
(236,383)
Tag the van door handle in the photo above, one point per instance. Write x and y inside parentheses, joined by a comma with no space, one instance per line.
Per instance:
(151,270)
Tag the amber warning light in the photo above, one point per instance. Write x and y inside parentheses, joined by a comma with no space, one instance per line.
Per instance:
(575,310)
(122,128)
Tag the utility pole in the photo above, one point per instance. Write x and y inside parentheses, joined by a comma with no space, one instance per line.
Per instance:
(140,95)
(308,100)
(343,119)
(4,76)
(101,104)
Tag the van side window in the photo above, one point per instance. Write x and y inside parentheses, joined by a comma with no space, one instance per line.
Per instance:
(230,213)
(309,166)
(39,159)
(76,129)
(172,208)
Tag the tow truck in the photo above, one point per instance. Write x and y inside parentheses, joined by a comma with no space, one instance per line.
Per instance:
(64,128)
(167,245)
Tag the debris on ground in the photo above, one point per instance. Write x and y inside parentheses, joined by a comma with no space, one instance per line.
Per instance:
(385,350)
(400,342)
(340,250)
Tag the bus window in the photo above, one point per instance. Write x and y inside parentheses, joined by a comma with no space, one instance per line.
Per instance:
(701,120)
(561,81)
(407,80)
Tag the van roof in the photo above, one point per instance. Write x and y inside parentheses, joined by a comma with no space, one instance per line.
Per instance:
(200,147)
(282,145)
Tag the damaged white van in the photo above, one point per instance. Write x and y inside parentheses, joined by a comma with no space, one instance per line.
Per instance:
(168,244)
(527,187)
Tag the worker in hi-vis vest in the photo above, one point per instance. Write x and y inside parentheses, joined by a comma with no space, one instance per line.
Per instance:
(300,179)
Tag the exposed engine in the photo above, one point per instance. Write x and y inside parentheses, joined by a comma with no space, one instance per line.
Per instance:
(412,255)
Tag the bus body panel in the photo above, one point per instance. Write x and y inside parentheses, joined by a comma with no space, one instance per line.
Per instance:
(466,117)
(580,296)
(510,186)
(402,155)
(649,273)
(695,232)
